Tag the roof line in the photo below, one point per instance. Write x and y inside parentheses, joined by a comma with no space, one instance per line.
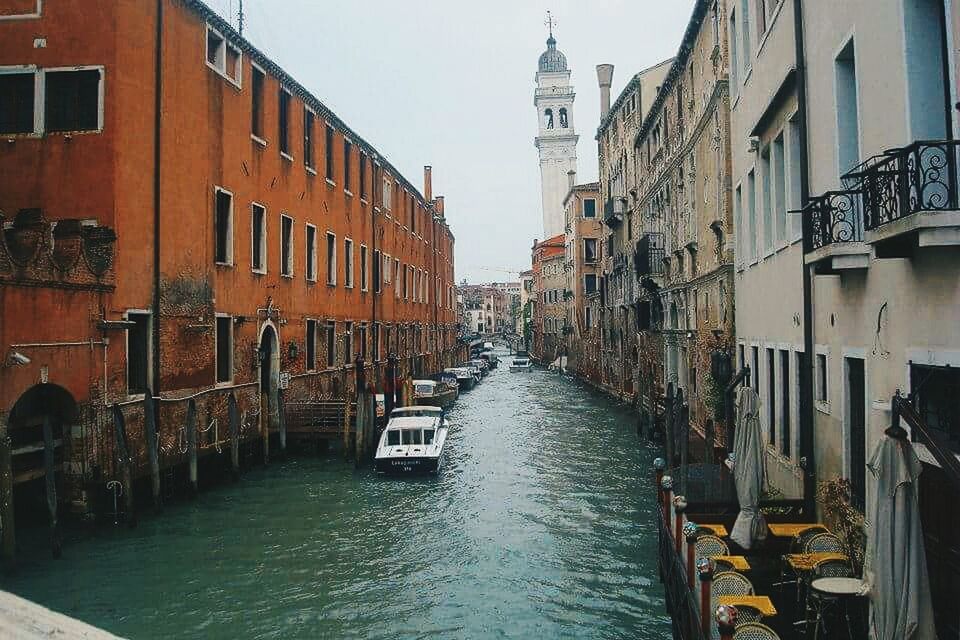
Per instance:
(634,82)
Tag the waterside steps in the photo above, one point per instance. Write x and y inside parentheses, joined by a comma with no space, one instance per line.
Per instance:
(25,620)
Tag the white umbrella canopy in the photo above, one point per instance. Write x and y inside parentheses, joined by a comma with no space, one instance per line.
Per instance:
(748,470)
(896,565)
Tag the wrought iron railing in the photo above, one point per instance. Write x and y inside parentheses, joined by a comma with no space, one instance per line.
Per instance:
(830,218)
(901,182)
(648,257)
(614,210)
(680,600)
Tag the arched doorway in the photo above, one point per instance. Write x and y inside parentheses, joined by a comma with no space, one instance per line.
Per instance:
(36,426)
(269,352)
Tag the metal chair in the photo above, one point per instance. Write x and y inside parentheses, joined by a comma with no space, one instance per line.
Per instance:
(833,568)
(824,543)
(747,615)
(708,546)
(731,583)
(723,565)
(754,631)
(799,542)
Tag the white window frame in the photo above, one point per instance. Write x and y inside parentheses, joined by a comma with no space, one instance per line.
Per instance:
(263,239)
(364,268)
(220,66)
(331,259)
(310,248)
(216,353)
(40,98)
(348,263)
(387,262)
(229,262)
(37,13)
(288,154)
(126,340)
(286,271)
(38,95)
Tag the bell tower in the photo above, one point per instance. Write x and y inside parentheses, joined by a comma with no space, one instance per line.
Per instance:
(556,137)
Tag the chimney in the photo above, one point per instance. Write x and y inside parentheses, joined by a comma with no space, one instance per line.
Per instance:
(605,79)
(440,206)
(427,183)
(571,178)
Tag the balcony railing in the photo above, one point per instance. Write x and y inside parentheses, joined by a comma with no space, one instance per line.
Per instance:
(901,182)
(648,258)
(832,218)
(613,211)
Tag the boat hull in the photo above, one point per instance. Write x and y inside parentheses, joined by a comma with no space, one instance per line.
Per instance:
(408,466)
(525,369)
(440,400)
(466,384)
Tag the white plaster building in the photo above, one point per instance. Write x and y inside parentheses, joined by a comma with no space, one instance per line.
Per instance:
(557,139)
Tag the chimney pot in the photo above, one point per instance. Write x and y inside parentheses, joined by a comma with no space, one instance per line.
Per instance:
(571,178)
(428,183)
(605,80)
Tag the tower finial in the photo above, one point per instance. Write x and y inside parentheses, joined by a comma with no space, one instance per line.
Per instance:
(550,22)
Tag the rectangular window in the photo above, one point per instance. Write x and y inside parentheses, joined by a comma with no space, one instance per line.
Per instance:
(256,112)
(779,190)
(588,317)
(589,208)
(734,54)
(364,285)
(348,343)
(259,238)
(311,346)
(848,120)
(331,344)
(72,100)
(772,396)
(376,341)
(284,122)
(590,250)
(387,276)
(224,57)
(138,353)
(590,284)
(745,35)
(795,202)
(822,379)
(17,91)
(223,223)
(755,368)
(224,348)
(785,411)
(286,246)
(329,151)
(766,180)
(363,175)
(406,283)
(308,138)
(311,253)
(348,262)
(740,228)
(377,271)
(387,195)
(331,259)
(362,340)
(347,148)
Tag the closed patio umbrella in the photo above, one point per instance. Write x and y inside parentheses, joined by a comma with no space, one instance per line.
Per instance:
(748,470)
(896,566)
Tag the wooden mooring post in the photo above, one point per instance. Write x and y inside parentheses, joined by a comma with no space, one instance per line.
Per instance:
(122,454)
(153,448)
(50,481)
(8,540)
(281,422)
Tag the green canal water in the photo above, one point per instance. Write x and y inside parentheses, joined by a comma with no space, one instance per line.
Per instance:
(539,526)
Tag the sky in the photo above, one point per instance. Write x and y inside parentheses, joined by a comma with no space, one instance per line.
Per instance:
(450,83)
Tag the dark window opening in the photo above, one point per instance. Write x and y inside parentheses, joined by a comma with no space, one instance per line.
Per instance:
(308,138)
(329,152)
(363,175)
(284,122)
(311,253)
(347,148)
(937,391)
(785,444)
(589,208)
(311,355)
(138,353)
(286,246)
(331,259)
(590,284)
(256,113)
(259,237)
(16,102)
(331,344)
(224,226)
(224,348)
(771,395)
(72,100)
(377,277)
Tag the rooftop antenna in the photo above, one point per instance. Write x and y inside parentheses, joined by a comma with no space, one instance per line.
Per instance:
(550,22)
(240,19)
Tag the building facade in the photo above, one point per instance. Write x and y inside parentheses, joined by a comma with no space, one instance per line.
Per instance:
(582,269)
(549,311)
(245,237)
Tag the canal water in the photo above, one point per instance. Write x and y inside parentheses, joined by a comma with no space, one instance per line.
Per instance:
(540,525)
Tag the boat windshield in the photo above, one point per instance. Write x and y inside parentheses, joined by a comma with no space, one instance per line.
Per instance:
(393,438)
(424,389)
(412,436)
(428,436)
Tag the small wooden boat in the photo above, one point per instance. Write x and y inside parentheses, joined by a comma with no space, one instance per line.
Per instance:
(431,393)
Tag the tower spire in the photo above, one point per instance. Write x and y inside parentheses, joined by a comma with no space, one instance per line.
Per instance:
(550,22)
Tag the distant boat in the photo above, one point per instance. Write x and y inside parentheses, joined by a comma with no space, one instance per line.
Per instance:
(521,364)
(437,394)
(465,377)
(481,364)
(491,358)
(413,441)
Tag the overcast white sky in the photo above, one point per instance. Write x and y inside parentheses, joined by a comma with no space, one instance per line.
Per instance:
(450,83)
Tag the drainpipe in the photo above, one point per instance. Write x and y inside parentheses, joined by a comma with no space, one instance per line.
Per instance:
(807,415)
(157,103)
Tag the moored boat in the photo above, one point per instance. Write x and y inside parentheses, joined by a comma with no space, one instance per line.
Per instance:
(432,393)
(412,442)
(521,364)
(465,378)
(491,358)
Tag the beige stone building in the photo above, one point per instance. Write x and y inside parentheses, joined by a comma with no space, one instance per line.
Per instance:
(582,257)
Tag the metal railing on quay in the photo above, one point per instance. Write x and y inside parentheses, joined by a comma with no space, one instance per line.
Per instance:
(680,599)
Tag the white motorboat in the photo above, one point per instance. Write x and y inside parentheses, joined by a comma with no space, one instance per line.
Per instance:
(465,377)
(521,364)
(413,441)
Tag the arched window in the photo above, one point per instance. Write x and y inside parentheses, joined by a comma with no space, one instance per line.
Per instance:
(563,118)
(549,116)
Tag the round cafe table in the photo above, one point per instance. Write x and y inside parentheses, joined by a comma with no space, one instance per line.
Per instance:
(832,596)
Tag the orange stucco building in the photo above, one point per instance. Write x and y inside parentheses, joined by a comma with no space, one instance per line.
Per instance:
(181,217)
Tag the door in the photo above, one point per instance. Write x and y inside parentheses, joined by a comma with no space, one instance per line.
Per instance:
(857,428)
